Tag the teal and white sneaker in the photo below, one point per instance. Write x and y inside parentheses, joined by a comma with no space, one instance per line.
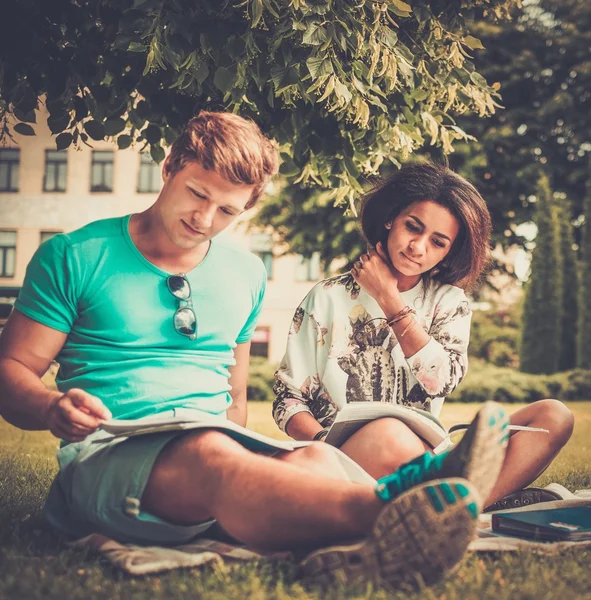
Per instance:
(478,457)
(417,538)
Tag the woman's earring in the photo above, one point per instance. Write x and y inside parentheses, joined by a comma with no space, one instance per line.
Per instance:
(389,225)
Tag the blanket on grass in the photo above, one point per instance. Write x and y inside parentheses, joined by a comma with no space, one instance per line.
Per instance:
(144,560)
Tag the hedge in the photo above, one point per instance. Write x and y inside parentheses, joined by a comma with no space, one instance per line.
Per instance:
(483,382)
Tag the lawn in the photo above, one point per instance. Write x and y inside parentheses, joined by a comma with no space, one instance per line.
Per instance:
(36,564)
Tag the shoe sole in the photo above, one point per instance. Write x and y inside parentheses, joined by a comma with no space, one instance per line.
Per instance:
(480,454)
(419,536)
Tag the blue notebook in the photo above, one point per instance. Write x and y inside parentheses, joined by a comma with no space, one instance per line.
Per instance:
(555,524)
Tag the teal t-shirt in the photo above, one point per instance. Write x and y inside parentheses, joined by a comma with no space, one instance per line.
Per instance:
(115,306)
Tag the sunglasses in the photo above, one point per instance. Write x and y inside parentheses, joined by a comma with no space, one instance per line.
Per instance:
(185,319)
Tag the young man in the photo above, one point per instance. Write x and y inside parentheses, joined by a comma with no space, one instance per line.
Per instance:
(152,313)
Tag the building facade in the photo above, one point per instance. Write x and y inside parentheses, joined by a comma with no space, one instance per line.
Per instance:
(44,191)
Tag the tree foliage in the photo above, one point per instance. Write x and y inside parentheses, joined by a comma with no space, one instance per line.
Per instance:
(543,306)
(567,352)
(584,322)
(343,86)
(542,62)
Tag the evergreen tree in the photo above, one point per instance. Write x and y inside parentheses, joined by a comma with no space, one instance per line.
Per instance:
(570,286)
(542,312)
(584,329)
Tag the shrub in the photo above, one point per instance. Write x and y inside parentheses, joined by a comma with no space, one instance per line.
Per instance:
(488,382)
(578,384)
(495,336)
(261,378)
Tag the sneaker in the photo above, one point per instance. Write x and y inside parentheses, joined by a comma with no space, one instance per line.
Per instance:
(420,536)
(524,497)
(478,457)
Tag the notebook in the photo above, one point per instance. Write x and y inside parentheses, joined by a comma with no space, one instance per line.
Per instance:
(556,524)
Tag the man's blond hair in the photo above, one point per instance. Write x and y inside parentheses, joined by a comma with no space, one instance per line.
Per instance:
(228,144)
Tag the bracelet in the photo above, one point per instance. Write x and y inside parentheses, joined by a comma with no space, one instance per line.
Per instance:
(407,328)
(320,435)
(407,310)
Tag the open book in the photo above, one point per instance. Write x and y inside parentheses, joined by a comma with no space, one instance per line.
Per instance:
(355,415)
(185,420)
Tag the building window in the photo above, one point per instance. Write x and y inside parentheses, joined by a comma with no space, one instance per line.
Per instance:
(261,244)
(46,235)
(56,171)
(7,253)
(148,181)
(101,175)
(259,343)
(9,169)
(308,269)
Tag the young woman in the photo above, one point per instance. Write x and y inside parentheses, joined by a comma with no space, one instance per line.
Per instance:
(396,329)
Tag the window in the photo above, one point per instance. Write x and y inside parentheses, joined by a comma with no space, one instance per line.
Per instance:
(149,175)
(259,343)
(101,175)
(56,171)
(308,269)
(7,253)
(261,244)
(46,235)
(9,169)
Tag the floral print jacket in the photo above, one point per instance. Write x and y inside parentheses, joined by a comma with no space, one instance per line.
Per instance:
(337,351)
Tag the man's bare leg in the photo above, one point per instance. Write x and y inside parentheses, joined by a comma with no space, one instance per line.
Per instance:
(529,453)
(383,445)
(261,501)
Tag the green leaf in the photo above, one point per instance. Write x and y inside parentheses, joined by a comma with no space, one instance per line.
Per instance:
(170,135)
(388,37)
(319,66)
(152,134)
(58,122)
(289,169)
(81,108)
(473,43)
(28,117)
(24,129)
(95,130)
(257,12)
(137,47)
(172,57)
(223,79)
(114,125)
(124,141)
(315,35)
(352,167)
(201,71)
(136,120)
(478,79)
(402,6)
(63,140)
(157,154)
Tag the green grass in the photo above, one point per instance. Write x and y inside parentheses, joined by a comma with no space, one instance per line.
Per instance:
(36,564)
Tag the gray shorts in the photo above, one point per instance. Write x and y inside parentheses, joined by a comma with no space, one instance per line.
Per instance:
(100,486)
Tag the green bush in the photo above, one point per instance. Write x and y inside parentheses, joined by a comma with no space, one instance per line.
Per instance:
(488,382)
(495,336)
(484,381)
(578,384)
(261,378)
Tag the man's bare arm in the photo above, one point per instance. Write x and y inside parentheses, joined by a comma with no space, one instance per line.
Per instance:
(27,348)
(239,381)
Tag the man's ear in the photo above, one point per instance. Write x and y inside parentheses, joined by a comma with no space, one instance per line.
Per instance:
(166,169)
